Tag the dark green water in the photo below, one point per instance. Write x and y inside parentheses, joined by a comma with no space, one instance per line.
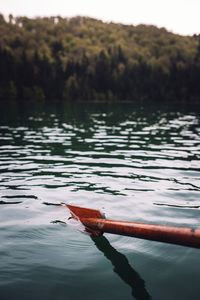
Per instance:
(130,162)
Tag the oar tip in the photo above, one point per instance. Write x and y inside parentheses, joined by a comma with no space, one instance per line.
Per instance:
(83,212)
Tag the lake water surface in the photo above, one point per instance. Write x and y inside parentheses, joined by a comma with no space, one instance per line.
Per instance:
(130,162)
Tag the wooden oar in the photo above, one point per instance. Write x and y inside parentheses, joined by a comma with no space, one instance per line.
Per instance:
(95,223)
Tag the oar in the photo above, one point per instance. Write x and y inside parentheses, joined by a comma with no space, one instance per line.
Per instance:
(95,223)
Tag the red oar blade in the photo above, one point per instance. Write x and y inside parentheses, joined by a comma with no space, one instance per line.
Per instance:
(96,224)
(83,212)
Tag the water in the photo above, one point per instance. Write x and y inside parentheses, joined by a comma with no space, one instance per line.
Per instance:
(132,163)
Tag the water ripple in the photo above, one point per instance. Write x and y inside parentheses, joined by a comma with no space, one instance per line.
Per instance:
(105,160)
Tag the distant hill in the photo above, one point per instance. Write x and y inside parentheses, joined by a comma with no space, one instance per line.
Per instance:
(86,59)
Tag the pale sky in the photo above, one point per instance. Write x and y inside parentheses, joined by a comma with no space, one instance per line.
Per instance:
(178,16)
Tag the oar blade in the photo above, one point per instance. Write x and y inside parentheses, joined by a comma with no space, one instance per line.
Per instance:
(83,212)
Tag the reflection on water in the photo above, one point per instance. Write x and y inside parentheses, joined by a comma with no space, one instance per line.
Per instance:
(123,268)
(131,162)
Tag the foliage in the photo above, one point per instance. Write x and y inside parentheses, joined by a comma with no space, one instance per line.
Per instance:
(85,59)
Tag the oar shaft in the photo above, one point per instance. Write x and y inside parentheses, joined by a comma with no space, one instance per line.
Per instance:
(174,235)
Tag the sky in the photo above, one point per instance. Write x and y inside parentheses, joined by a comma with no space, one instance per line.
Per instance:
(178,16)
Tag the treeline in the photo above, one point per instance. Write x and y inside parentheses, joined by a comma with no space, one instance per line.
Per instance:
(85,59)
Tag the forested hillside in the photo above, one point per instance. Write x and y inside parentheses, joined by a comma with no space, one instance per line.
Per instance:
(85,59)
